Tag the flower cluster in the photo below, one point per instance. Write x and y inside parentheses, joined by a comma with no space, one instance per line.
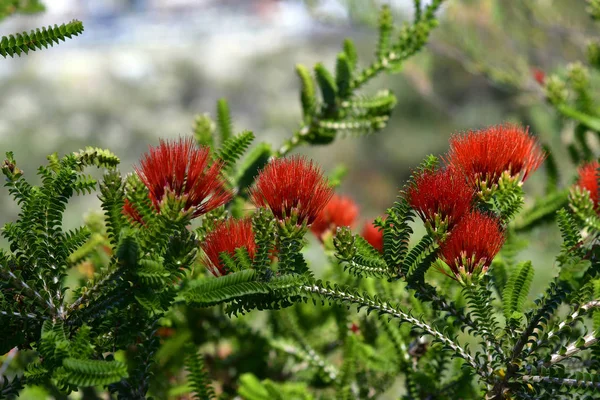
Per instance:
(473,244)
(182,172)
(501,152)
(226,238)
(299,196)
(478,163)
(293,188)
(339,211)
(440,198)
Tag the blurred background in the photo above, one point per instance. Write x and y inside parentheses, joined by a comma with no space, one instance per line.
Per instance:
(143,69)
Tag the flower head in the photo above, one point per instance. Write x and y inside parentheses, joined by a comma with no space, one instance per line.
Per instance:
(487,156)
(226,237)
(292,187)
(340,211)
(182,170)
(588,180)
(539,75)
(373,235)
(440,198)
(471,246)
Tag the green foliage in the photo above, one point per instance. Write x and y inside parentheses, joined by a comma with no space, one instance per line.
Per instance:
(257,158)
(197,375)
(224,121)
(542,211)
(396,234)
(38,39)
(419,259)
(233,148)
(10,7)
(516,290)
(358,256)
(253,389)
(342,110)
(93,372)
(204,130)
(570,232)
(137,306)
(348,370)
(307,91)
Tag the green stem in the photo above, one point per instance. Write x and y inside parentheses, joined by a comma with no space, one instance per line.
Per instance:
(290,144)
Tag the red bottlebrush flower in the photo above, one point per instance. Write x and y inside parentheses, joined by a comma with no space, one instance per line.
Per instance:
(226,237)
(292,186)
(440,198)
(588,180)
(539,75)
(471,246)
(340,211)
(130,211)
(373,236)
(181,169)
(484,156)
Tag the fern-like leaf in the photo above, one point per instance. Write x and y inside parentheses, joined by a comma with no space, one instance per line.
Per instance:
(224,121)
(219,290)
(233,148)
(93,372)
(516,290)
(197,376)
(25,42)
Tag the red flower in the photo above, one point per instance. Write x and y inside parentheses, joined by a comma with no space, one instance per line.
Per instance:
(539,75)
(292,186)
(440,198)
(472,245)
(373,236)
(181,169)
(226,237)
(130,211)
(340,211)
(588,180)
(484,156)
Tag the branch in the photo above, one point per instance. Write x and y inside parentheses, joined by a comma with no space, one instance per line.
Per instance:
(573,348)
(561,381)
(384,308)
(572,318)
(28,291)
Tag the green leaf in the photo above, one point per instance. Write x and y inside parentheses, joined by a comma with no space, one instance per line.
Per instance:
(386,25)
(94,156)
(327,84)
(38,38)
(197,376)
(225,288)
(351,53)
(308,96)
(517,288)
(343,75)
(224,120)
(93,372)
(233,148)
(591,122)
(152,273)
(252,164)
(203,130)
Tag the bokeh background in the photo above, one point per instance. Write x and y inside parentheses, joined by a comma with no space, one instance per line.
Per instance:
(143,69)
